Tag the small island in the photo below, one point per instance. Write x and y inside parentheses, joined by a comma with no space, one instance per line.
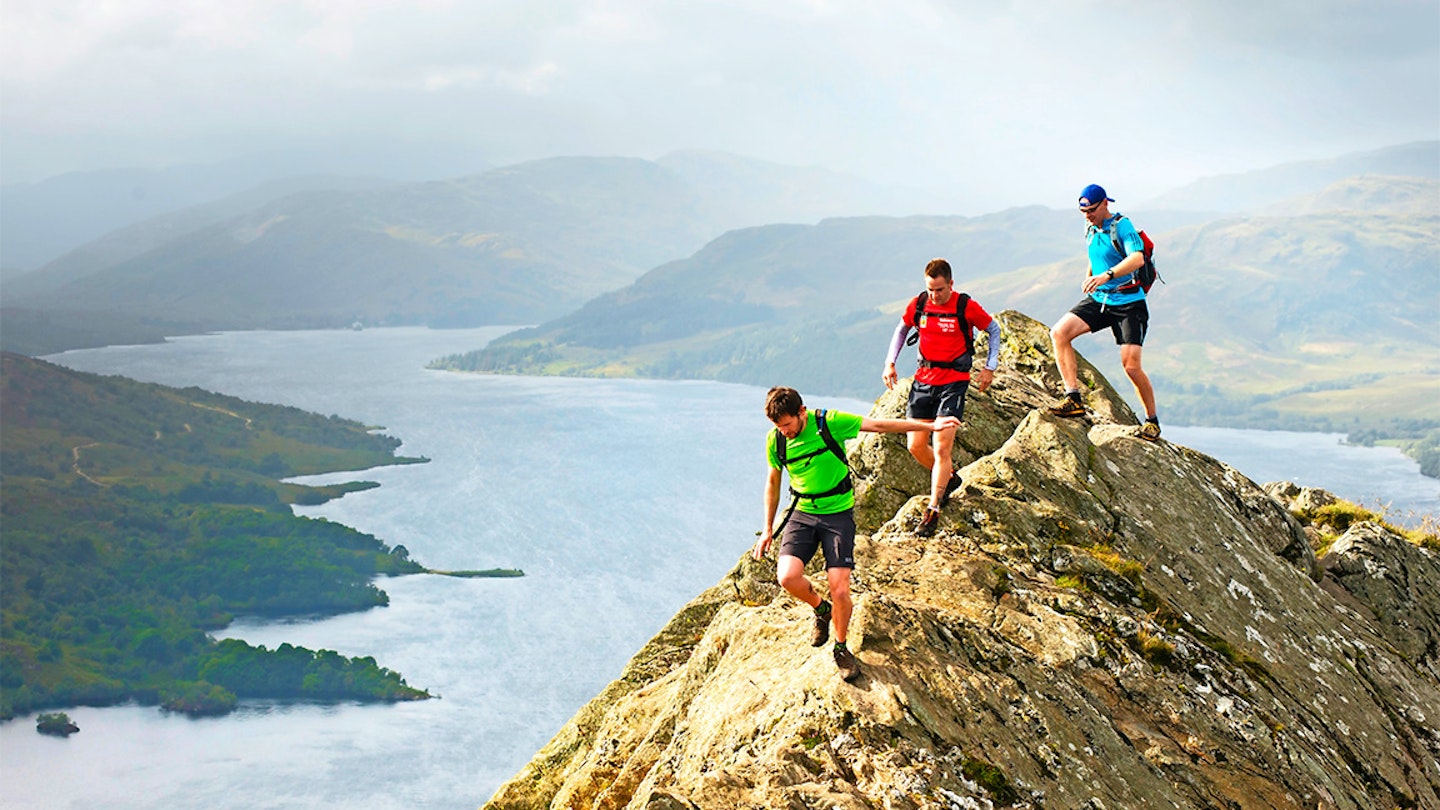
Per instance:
(56,724)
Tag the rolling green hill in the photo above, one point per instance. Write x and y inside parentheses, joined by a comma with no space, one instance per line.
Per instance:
(137,517)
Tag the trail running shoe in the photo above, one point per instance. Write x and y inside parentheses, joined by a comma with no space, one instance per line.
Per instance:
(847,663)
(950,486)
(1150,431)
(1068,406)
(928,523)
(821,633)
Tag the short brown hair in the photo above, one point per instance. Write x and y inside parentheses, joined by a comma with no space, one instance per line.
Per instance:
(938,268)
(782,401)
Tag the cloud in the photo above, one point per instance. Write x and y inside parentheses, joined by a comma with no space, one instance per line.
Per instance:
(997,101)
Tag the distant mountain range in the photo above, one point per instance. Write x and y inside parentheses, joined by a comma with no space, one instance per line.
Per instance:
(1312,306)
(40,221)
(1314,318)
(512,245)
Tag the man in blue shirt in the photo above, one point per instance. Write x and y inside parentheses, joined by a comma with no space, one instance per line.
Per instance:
(1113,298)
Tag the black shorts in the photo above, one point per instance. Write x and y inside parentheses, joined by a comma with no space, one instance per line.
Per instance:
(835,533)
(932,401)
(1128,322)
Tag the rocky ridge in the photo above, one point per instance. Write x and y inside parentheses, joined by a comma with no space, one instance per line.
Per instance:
(1100,622)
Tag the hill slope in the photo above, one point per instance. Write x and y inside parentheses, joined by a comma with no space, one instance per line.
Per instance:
(507,246)
(137,517)
(1100,622)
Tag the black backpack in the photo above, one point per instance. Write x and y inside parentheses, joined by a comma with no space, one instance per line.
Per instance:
(966,359)
(831,446)
(1145,277)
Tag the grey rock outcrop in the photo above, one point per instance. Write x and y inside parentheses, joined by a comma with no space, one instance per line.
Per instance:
(1100,622)
(1397,583)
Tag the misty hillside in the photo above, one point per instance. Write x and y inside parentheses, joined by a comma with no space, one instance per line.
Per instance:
(41,221)
(134,240)
(504,246)
(515,244)
(1326,315)
(1376,194)
(1258,189)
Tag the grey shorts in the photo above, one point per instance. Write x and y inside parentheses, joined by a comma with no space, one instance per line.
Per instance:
(835,533)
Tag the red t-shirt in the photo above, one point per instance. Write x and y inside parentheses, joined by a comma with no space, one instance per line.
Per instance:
(941,339)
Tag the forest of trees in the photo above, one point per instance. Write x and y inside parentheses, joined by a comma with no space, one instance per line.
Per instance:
(137,517)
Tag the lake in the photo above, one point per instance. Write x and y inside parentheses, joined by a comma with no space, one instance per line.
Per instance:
(620,499)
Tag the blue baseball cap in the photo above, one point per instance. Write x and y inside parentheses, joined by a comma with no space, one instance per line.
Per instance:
(1092,195)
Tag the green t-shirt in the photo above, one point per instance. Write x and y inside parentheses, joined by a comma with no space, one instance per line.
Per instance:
(822,470)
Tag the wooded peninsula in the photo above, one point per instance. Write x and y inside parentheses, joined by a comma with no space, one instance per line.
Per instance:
(138,517)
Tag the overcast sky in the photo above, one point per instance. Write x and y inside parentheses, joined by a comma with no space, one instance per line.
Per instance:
(1006,102)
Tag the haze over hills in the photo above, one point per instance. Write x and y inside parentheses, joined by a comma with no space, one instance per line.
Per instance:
(1255,190)
(42,220)
(515,244)
(141,237)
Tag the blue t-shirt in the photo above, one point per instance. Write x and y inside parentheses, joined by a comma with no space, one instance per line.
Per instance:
(1103,257)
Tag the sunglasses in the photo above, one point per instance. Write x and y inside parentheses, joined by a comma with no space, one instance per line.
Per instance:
(1087,209)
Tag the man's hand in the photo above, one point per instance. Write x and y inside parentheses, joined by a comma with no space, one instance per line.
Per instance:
(890,377)
(987,376)
(762,546)
(943,423)
(1092,283)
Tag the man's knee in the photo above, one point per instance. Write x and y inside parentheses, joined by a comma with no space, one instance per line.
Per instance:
(1066,330)
(790,573)
(840,587)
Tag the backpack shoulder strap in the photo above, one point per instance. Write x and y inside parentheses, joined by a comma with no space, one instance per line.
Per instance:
(823,426)
(919,308)
(1115,236)
(779,440)
(915,318)
(960,307)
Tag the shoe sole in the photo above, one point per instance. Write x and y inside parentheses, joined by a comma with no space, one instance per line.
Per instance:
(1067,414)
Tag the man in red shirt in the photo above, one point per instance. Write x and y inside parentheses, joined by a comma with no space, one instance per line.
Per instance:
(945,321)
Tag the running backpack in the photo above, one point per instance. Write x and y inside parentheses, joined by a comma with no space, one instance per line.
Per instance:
(832,445)
(965,360)
(1145,277)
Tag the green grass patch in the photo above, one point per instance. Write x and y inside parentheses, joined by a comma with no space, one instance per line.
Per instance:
(1334,519)
(992,779)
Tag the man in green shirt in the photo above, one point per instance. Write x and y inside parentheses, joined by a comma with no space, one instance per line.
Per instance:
(823,514)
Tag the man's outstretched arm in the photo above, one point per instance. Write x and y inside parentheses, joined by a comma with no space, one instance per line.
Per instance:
(869,425)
